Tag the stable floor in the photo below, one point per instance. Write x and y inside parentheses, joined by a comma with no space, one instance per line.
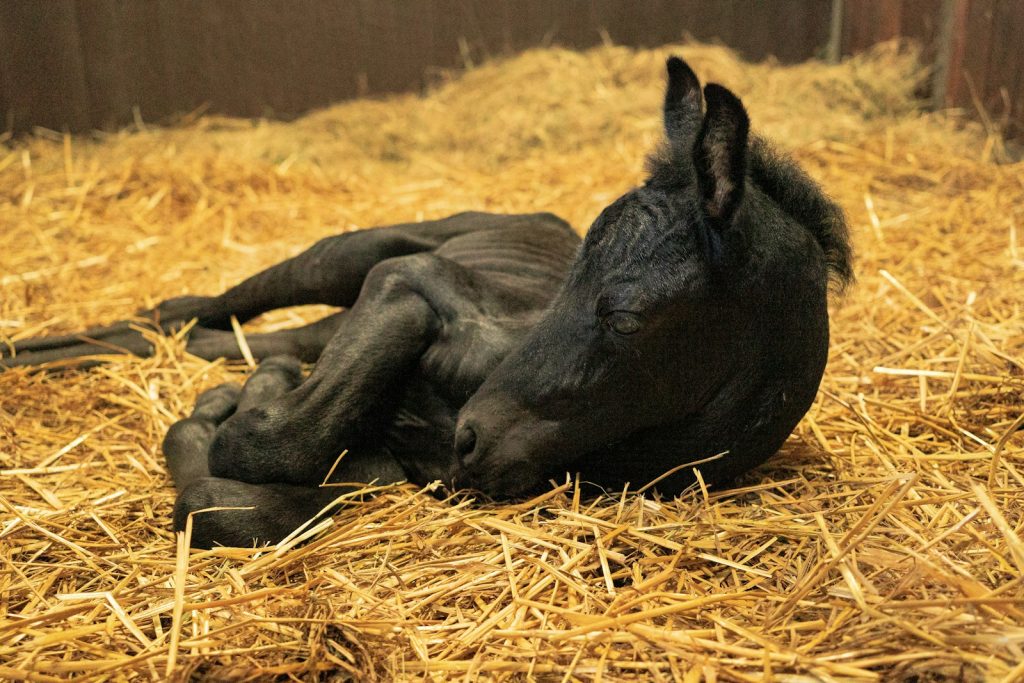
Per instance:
(882,543)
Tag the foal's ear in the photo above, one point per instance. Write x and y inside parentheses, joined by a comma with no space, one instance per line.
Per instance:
(720,154)
(682,102)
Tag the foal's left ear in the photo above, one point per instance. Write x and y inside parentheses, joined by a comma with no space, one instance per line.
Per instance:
(682,103)
(720,154)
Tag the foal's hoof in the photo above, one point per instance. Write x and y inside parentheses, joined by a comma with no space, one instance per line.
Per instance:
(235,514)
(227,432)
(187,442)
(239,525)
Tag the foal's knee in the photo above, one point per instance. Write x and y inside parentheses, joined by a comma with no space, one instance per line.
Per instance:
(252,446)
(275,376)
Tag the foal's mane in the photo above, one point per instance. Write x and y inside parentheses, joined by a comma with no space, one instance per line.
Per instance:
(783,181)
(779,177)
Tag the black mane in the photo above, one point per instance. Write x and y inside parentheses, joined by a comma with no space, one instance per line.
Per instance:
(780,178)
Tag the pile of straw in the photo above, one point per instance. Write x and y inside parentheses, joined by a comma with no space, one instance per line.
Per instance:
(883,543)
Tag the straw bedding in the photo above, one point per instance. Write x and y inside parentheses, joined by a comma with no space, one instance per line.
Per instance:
(883,543)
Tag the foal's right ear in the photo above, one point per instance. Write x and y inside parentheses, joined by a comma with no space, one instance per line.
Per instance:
(682,102)
(720,154)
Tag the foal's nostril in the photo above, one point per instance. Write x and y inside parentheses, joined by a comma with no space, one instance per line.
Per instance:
(465,442)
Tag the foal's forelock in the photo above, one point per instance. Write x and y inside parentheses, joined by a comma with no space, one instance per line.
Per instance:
(619,241)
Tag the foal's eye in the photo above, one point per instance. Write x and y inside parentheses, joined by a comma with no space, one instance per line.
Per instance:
(622,322)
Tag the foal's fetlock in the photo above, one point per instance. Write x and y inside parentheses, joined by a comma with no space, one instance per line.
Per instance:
(275,376)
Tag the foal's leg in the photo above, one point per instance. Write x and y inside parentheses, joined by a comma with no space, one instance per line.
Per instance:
(261,513)
(330,272)
(257,514)
(305,343)
(404,305)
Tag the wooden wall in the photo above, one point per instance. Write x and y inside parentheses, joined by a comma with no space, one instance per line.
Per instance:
(986,60)
(976,47)
(85,64)
(82,64)
(866,22)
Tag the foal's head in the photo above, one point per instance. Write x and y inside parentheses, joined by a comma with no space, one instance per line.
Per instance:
(693,320)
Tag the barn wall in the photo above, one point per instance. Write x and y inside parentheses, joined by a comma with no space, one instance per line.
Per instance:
(976,46)
(986,63)
(866,22)
(82,64)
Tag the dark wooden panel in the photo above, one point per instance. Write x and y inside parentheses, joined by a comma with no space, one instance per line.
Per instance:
(1009,61)
(140,45)
(101,26)
(7,110)
(979,39)
(44,80)
(986,62)
(80,64)
(1006,60)
(953,59)
(791,30)
(921,20)
(867,22)
(89,63)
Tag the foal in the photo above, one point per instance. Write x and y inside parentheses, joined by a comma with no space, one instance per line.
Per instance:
(495,352)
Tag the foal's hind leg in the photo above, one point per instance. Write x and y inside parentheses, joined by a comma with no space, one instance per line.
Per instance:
(262,513)
(304,343)
(330,272)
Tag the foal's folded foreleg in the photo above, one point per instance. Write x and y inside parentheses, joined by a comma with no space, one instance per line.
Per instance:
(296,438)
(235,513)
